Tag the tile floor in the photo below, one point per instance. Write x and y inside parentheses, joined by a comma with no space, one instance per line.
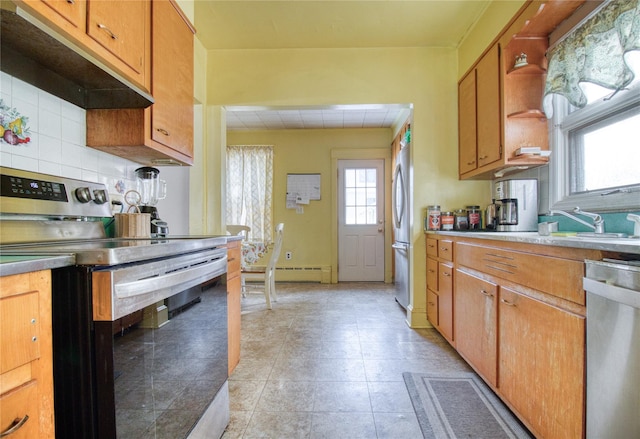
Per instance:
(327,362)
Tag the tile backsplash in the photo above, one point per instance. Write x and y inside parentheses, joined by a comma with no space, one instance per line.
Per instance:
(57,140)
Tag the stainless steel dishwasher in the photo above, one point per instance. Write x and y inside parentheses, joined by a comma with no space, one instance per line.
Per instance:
(613,349)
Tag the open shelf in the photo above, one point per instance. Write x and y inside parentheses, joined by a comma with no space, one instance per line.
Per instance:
(529,69)
(527,114)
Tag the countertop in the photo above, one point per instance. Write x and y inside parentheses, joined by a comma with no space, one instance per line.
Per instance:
(26,263)
(621,245)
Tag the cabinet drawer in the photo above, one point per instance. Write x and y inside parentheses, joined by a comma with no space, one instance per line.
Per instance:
(432,247)
(445,277)
(559,277)
(20,327)
(445,249)
(432,274)
(432,307)
(15,405)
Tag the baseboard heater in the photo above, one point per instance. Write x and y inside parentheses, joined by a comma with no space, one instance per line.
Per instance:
(320,274)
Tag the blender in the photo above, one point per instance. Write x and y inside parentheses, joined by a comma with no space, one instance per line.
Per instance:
(152,189)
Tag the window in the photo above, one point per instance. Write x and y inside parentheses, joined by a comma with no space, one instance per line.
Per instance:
(596,156)
(360,196)
(249,189)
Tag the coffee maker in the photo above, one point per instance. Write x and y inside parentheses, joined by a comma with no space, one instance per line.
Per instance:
(152,189)
(517,205)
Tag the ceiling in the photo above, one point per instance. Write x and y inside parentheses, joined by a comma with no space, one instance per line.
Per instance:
(289,24)
(343,116)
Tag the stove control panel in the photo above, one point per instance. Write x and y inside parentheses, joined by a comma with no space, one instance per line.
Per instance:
(31,193)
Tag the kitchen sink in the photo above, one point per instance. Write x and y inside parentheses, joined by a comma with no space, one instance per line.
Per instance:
(601,235)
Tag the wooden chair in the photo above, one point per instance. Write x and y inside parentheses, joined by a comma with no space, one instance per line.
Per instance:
(268,274)
(235,229)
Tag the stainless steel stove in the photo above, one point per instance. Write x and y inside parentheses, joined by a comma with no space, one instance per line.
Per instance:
(117,371)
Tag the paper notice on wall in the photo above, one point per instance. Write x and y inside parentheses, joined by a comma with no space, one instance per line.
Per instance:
(302,188)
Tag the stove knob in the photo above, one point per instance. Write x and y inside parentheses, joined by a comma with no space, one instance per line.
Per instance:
(83,194)
(100,196)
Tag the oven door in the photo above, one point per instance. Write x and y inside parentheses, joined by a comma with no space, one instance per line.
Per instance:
(147,377)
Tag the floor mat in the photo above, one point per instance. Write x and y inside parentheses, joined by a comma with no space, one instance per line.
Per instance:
(460,405)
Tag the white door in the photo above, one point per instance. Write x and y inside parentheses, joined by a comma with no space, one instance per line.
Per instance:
(360,220)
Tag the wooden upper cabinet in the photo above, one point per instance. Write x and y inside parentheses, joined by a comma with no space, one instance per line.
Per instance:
(121,28)
(479,126)
(507,99)
(114,34)
(489,114)
(163,133)
(70,15)
(467,126)
(172,88)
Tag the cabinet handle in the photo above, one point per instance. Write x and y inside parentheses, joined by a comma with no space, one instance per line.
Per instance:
(15,426)
(71,2)
(483,157)
(162,131)
(444,249)
(506,302)
(446,273)
(471,162)
(107,30)
(486,294)
(431,271)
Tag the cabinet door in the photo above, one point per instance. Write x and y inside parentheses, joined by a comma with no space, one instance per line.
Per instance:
(70,15)
(432,308)
(432,274)
(542,353)
(476,323)
(119,26)
(445,300)
(233,320)
(467,137)
(488,107)
(17,404)
(172,85)
(19,327)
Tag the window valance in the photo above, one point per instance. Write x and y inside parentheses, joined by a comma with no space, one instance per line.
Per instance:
(595,52)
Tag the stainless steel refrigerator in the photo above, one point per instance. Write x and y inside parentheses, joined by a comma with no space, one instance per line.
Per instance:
(401,208)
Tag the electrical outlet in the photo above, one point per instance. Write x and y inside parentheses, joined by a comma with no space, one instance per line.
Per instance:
(288,256)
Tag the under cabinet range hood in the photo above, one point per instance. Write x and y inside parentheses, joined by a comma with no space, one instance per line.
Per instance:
(35,53)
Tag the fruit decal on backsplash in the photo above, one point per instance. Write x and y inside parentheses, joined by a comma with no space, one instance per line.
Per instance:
(13,126)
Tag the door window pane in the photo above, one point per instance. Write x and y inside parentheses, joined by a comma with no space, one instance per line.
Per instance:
(360,196)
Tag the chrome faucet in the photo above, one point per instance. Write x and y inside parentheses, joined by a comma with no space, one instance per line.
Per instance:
(598,222)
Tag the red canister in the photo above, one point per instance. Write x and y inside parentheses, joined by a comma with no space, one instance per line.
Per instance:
(473,212)
(446,219)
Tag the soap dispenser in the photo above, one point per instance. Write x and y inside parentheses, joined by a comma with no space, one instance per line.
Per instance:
(636,224)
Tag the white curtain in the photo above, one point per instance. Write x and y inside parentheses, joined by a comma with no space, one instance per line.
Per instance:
(249,189)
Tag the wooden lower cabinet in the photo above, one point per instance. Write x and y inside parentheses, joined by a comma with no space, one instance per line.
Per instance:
(26,355)
(445,300)
(476,323)
(234,291)
(518,318)
(541,367)
(440,285)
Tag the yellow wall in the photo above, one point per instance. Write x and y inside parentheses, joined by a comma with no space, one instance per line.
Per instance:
(424,77)
(494,19)
(308,151)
